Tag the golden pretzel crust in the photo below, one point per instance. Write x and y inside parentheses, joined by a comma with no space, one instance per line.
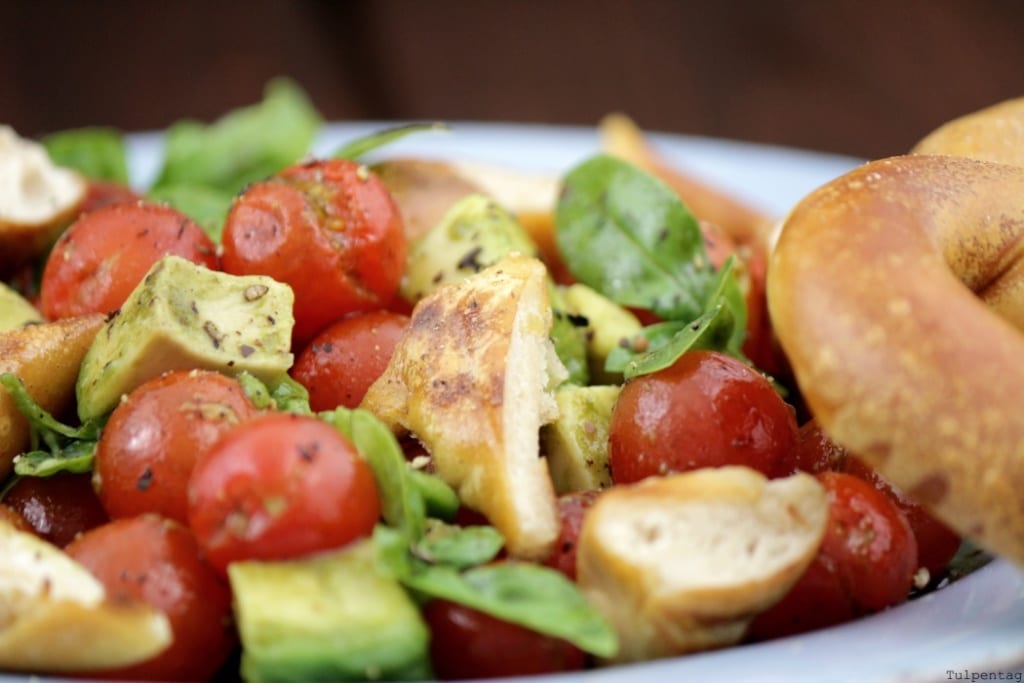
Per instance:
(897,292)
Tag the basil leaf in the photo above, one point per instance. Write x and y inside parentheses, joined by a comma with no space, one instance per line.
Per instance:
(95,152)
(440,499)
(402,505)
(76,458)
(537,597)
(722,327)
(460,547)
(42,423)
(626,234)
(354,149)
(245,145)
(207,206)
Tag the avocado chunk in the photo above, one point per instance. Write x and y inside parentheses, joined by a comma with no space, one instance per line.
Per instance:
(477,232)
(15,310)
(327,617)
(576,444)
(607,325)
(185,316)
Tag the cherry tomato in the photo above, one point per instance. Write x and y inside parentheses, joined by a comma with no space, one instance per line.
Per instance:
(280,486)
(330,230)
(936,542)
(156,435)
(15,519)
(104,255)
(706,410)
(59,507)
(572,508)
(870,541)
(816,451)
(866,563)
(102,193)
(157,561)
(466,643)
(817,600)
(341,362)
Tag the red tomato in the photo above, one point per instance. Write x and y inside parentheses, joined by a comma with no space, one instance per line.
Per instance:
(104,255)
(818,600)
(936,542)
(466,643)
(157,561)
(330,230)
(870,541)
(572,508)
(58,508)
(15,519)
(816,451)
(280,486)
(341,362)
(865,564)
(156,435)
(102,193)
(706,410)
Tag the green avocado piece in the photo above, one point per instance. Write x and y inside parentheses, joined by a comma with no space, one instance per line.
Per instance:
(607,325)
(331,617)
(15,310)
(477,232)
(184,316)
(576,444)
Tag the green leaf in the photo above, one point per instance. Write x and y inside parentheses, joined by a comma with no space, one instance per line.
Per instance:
(42,423)
(531,595)
(402,506)
(77,458)
(207,206)
(245,145)
(626,234)
(722,327)
(354,149)
(95,152)
(460,547)
(440,499)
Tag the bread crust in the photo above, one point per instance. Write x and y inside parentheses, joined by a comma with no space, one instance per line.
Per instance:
(897,293)
(995,133)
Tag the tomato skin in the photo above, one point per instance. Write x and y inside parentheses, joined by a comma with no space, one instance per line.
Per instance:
(17,520)
(280,486)
(57,508)
(104,255)
(343,360)
(100,193)
(330,230)
(866,563)
(572,508)
(155,436)
(466,643)
(817,452)
(871,542)
(157,561)
(706,410)
(936,542)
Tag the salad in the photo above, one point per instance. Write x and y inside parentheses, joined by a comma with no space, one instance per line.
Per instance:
(348,416)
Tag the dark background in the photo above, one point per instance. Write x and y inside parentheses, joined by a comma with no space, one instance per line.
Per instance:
(866,78)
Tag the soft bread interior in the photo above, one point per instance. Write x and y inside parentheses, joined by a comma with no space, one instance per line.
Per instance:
(684,562)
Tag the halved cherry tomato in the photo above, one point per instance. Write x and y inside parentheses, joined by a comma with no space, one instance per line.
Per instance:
(104,255)
(155,436)
(466,643)
(330,230)
(59,507)
(706,410)
(936,542)
(866,562)
(816,451)
(15,519)
(157,561)
(572,508)
(341,362)
(280,486)
(102,193)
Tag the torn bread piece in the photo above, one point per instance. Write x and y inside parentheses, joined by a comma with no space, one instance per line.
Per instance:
(55,616)
(37,199)
(473,379)
(683,563)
